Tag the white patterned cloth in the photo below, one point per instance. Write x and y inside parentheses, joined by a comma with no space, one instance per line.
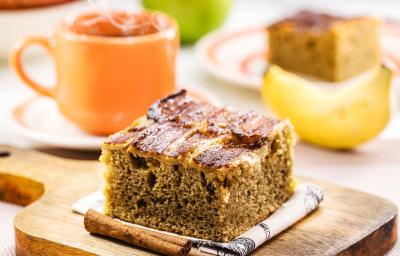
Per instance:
(305,199)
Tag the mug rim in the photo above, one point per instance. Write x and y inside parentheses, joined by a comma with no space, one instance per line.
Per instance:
(169,33)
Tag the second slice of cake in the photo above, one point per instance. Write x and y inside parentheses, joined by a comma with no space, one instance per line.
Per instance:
(198,170)
(325,46)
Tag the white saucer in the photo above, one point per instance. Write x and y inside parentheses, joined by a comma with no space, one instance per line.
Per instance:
(40,120)
(239,57)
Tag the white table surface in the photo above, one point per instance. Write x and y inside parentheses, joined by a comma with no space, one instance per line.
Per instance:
(374,167)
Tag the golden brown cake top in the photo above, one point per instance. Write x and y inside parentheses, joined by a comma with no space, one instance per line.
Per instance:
(309,21)
(213,137)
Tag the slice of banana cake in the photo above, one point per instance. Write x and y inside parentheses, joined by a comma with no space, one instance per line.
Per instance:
(325,46)
(198,170)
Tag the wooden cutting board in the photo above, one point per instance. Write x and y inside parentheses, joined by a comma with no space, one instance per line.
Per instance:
(348,222)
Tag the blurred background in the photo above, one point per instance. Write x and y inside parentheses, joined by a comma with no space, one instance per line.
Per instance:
(372,167)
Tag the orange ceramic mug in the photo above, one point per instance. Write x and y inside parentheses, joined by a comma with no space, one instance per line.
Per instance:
(106,78)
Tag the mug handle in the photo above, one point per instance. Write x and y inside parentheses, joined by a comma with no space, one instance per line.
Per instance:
(16,62)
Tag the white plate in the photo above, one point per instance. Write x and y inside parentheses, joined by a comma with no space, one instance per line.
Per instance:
(239,57)
(40,120)
(19,23)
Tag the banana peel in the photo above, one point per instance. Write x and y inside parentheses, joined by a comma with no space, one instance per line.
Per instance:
(338,117)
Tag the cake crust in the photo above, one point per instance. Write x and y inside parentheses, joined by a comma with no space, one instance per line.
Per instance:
(310,21)
(177,126)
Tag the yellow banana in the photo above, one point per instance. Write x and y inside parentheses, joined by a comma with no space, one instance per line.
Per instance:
(339,117)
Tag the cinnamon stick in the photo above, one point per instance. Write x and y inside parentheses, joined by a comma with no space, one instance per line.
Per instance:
(101,224)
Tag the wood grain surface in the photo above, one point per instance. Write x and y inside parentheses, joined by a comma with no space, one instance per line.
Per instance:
(348,222)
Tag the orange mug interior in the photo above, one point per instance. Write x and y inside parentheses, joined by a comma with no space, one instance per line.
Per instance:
(107,76)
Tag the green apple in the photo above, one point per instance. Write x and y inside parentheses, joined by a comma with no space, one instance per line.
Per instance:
(195,17)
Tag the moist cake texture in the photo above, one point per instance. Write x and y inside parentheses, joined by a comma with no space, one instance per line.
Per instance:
(324,46)
(198,170)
